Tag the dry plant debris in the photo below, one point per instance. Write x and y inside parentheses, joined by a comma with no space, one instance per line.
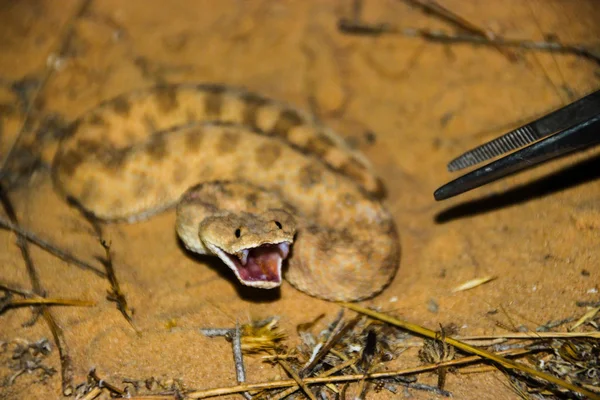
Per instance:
(115,294)
(464,32)
(31,299)
(559,364)
(356,356)
(473,283)
(587,356)
(362,350)
(22,356)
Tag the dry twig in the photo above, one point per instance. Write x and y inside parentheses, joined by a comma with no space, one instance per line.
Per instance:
(49,247)
(116,294)
(38,301)
(297,379)
(336,335)
(202,394)
(533,335)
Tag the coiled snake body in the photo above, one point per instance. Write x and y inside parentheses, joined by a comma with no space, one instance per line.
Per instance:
(255,182)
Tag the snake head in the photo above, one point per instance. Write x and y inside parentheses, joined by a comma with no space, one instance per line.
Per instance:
(252,245)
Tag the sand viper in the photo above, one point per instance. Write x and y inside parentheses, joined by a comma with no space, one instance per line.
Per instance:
(255,182)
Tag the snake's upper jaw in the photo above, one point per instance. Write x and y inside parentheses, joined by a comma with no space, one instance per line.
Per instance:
(259,266)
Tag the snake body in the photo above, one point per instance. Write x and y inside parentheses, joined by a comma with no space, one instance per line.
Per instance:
(255,182)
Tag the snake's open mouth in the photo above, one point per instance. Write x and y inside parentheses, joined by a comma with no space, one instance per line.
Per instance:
(258,266)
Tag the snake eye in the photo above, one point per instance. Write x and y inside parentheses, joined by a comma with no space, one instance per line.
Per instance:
(238,233)
(278,224)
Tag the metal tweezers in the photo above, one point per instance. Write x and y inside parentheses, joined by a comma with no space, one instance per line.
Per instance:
(572,128)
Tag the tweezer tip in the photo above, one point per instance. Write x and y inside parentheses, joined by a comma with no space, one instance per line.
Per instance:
(442,193)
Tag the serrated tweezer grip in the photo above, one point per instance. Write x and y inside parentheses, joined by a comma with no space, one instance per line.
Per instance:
(557,121)
(576,138)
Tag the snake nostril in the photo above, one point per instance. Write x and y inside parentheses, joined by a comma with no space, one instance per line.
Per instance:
(238,233)
(278,224)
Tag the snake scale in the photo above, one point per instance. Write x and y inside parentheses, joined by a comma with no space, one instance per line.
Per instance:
(256,182)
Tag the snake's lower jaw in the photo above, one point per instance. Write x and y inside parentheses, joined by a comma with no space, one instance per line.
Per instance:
(259,266)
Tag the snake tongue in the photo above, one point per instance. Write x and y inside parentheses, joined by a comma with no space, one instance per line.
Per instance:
(260,266)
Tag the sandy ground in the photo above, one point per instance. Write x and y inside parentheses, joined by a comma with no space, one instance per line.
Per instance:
(423,102)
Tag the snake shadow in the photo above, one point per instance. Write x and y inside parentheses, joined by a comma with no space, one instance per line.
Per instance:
(582,172)
(245,292)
